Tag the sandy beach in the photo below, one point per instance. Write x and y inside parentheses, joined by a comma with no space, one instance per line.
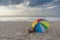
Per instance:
(18,31)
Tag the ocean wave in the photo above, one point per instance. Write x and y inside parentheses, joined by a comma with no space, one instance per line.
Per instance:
(29,19)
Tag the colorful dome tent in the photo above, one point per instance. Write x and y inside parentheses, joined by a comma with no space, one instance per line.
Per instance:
(40,25)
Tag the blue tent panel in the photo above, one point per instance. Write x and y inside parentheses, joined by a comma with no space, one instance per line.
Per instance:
(38,28)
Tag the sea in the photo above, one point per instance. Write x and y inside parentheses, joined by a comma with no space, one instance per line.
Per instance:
(28,19)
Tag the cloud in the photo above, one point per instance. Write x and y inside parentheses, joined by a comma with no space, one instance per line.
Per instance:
(17,10)
(39,2)
(10,2)
(47,8)
(44,3)
(51,7)
(6,11)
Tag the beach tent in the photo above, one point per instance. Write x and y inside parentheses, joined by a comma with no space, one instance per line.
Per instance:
(40,25)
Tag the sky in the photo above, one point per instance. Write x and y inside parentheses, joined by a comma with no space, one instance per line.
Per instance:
(30,8)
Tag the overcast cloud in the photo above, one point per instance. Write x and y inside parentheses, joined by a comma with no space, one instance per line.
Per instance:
(30,7)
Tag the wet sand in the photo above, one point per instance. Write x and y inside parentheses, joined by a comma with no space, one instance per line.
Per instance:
(18,31)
